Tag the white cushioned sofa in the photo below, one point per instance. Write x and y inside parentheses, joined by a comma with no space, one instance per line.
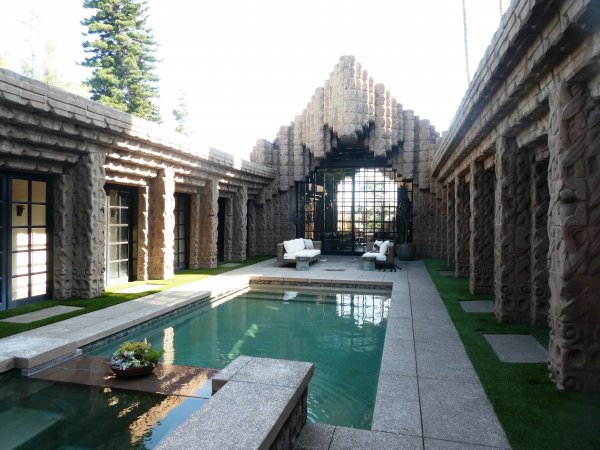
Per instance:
(288,250)
(385,252)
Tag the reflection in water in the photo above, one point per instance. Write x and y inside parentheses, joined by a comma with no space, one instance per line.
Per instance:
(168,346)
(363,309)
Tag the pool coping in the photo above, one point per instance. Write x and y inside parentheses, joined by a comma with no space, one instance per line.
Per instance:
(421,393)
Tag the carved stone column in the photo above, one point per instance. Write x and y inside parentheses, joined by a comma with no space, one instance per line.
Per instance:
(450,220)
(228,230)
(195,237)
(143,233)
(79,229)
(162,224)
(252,229)
(574,233)
(540,290)
(512,229)
(481,249)
(209,222)
(239,224)
(462,226)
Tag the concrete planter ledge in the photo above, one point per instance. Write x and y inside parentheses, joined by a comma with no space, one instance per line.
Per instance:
(260,403)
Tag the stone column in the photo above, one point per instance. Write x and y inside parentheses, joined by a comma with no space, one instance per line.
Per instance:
(195,235)
(512,229)
(574,233)
(143,234)
(540,291)
(79,229)
(461,225)
(239,230)
(252,229)
(450,220)
(209,221)
(228,230)
(481,246)
(162,224)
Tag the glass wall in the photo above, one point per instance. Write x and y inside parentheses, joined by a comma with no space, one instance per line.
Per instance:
(347,207)
(24,239)
(182,226)
(119,232)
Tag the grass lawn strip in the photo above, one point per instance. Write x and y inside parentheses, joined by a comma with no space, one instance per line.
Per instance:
(111,297)
(533,412)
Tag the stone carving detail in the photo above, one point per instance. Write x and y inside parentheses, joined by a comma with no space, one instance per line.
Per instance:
(227,228)
(462,226)
(450,221)
(239,222)
(143,233)
(79,262)
(162,225)
(482,230)
(513,233)
(574,230)
(289,433)
(209,221)
(195,239)
(540,290)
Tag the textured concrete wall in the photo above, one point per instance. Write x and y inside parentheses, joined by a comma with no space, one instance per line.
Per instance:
(209,221)
(239,223)
(481,230)
(462,235)
(143,237)
(574,231)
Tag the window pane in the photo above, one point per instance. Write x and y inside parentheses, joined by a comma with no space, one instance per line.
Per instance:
(113,252)
(38,215)
(20,287)
(124,254)
(124,235)
(123,269)
(20,239)
(38,238)
(39,284)
(113,215)
(19,215)
(38,261)
(38,191)
(20,263)
(20,190)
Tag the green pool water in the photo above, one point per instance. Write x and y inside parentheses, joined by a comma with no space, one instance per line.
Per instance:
(37,414)
(341,333)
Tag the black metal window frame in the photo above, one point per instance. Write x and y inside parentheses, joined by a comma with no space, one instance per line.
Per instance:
(6,229)
(181,247)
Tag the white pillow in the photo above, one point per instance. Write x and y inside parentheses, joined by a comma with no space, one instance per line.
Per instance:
(289,246)
(378,243)
(299,244)
(384,247)
(308,244)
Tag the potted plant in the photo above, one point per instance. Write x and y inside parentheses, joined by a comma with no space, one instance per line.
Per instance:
(134,359)
(405,251)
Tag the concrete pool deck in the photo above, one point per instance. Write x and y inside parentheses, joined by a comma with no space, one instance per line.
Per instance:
(429,395)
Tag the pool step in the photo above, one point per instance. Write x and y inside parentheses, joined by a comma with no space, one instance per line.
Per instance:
(24,424)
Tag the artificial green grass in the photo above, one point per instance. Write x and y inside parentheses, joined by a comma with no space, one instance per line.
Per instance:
(111,297)
(533,412)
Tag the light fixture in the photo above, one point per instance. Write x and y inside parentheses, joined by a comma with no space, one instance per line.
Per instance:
(20,209)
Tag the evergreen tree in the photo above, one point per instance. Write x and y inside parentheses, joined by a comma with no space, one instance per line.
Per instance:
(181,113)
(123,56)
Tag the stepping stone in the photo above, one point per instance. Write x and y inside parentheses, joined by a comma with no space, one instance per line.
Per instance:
(517,348)
(41,314)
(231,265)
(478,306)
(447,273)
(140,288)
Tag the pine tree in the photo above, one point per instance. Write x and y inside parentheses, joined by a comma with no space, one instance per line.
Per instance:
(181,113)
(123,56)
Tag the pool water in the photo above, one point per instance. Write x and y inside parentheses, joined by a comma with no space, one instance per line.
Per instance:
(38,414)
(341,333)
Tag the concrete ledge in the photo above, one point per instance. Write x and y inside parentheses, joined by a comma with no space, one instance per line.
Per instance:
(259,401)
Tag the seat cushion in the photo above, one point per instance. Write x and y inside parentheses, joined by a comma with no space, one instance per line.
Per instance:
(378,256)
(307,253)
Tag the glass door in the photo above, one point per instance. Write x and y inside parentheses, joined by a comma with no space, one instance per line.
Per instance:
(182,227)
(29,250)
(118,232)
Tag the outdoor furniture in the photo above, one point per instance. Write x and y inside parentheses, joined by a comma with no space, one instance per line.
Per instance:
(385,254)
(369,261)
(287,251)
(303,262)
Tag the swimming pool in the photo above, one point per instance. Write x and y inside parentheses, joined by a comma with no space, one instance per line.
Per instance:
(342,333)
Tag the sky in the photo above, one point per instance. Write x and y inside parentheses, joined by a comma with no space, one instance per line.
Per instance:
(249,66)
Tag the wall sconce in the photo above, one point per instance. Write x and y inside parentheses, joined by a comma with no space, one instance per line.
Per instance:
(20,209)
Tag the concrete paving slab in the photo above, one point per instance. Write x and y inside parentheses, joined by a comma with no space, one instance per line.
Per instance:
(351,438)
(444,333)
(397,408)
(398,357)
(459,412)
(436,444)
(478,306)
(517,348)
(399,328)
(230,265)
(315,436)
(140,288)
(41,314)
(441,361)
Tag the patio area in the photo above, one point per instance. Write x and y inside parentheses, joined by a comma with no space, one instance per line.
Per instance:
(429,395)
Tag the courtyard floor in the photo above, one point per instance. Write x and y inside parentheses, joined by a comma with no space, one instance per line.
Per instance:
(429,395)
